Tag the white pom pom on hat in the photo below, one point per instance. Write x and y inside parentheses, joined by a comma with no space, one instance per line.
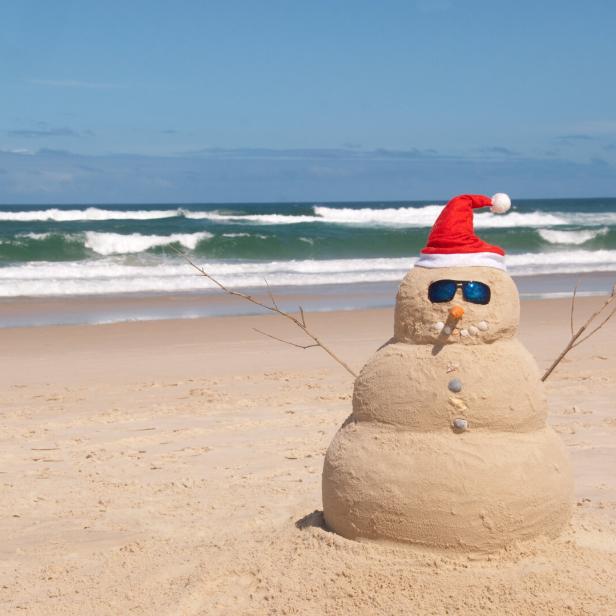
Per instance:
(500,203)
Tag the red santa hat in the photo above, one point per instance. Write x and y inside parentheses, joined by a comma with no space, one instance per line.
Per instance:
(452,241)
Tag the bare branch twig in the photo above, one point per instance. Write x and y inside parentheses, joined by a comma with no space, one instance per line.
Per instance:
(295,344)
(273,308)
(301,311)
(576,339)
(607,318)
(577,282)
(269,290)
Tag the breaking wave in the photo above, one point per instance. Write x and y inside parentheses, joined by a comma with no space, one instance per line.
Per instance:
(117,243)
(574,238)
(418,216)
(113,275)
(405,217)
(90,213)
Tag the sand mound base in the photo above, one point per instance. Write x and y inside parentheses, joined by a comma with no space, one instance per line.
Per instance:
(472,491)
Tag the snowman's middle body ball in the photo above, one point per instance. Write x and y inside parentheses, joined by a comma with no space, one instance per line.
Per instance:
(448,445)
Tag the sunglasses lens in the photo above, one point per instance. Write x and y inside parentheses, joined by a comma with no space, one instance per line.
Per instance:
(476,292)
(442,291)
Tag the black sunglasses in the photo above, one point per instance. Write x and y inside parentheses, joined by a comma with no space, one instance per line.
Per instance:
(472,291)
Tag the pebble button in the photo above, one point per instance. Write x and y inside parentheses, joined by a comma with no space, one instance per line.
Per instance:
(460,424)
(455,385)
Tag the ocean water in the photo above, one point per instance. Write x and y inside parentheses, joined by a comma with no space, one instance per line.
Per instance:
(126,249)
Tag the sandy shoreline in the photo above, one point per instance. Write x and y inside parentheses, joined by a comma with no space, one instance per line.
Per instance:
(104,309)
(160,467)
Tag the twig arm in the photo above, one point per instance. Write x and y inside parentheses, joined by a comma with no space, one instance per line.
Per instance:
(575,338)
(573,304)
(273,308)
(329,351)
(269,290)
(564,352)
(295,344)
(607,318)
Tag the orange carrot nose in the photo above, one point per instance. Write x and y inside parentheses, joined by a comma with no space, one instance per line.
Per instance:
(456,312)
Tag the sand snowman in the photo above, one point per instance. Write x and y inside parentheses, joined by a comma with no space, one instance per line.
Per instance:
(447,445)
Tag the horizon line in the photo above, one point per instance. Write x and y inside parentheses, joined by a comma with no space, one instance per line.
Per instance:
(271,202)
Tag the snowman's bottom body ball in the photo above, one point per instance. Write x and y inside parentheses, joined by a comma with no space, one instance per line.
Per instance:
(477,491)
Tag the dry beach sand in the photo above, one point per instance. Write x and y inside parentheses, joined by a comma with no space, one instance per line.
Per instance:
(173,467)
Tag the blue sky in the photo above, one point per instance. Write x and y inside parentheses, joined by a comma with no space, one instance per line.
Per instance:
(324,100)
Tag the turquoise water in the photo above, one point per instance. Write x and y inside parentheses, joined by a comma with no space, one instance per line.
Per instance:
(85,250)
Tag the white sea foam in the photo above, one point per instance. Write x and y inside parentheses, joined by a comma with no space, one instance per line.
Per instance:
(397,217)
(34,236)
(20,237)
(425,217)
(487,220)
(117,243)
(571,237)
(257,235)
(111,275)
(562,262)
(413,216)
(91,213)
(408,217)
(265,219)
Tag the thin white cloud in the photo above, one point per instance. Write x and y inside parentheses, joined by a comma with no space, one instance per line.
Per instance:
(23,151)
(47,132)
(73,83)
(310,153)
(597,128)
(53,176)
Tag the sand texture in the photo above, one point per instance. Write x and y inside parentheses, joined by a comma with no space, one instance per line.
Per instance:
(475,492)
(406,385)
(174,468)
(415,315)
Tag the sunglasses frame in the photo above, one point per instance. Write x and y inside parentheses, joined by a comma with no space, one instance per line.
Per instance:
(460,284)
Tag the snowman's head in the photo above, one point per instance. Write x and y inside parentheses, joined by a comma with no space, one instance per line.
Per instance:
(448,305)
(458,290)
